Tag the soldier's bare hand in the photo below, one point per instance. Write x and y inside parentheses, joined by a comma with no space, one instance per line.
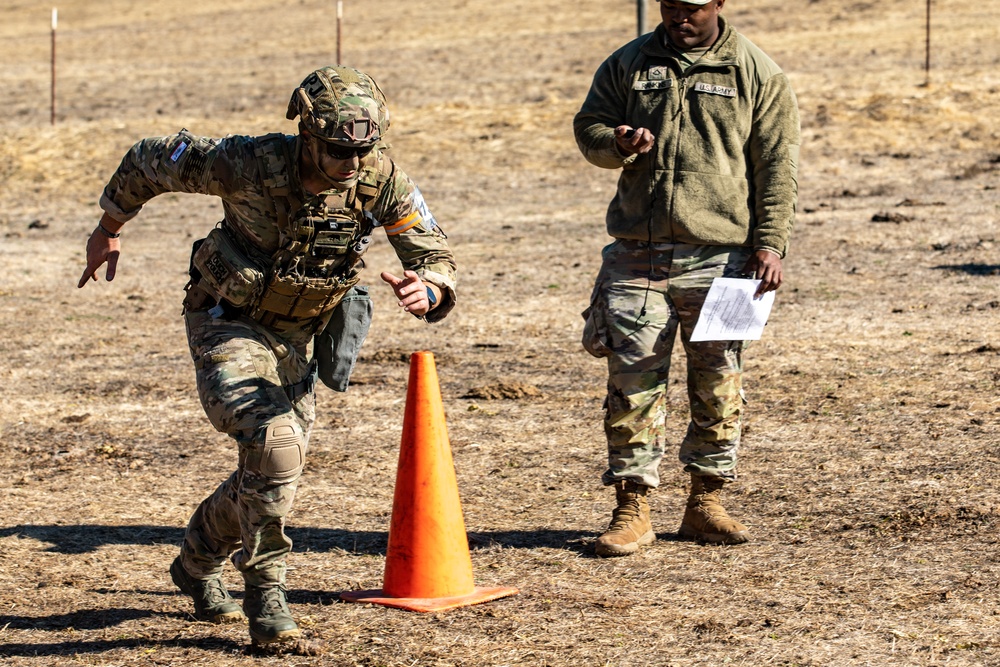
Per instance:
(633,141)
(411,292)
(100,250)
(766,267)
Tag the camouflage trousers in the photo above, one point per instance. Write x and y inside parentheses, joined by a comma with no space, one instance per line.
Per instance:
(644,294)
(248,379)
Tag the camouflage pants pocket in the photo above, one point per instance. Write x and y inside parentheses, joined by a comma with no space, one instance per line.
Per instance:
(596,335)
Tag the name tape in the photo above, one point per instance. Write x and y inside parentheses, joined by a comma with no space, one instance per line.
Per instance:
(714,90)
(653,85)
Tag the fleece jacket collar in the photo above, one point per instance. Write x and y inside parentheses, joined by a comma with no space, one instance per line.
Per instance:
(723,52)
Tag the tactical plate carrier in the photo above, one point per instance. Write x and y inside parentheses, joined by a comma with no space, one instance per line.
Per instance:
(319,254)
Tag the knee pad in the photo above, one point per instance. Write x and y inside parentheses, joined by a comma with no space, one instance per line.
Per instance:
(279,451)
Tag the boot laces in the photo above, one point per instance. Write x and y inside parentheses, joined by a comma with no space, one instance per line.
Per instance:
(625,513)
(711,504)
(214,591)
(272,601)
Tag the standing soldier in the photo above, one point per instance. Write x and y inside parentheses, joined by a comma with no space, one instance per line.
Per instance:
(705,129)
(277,273)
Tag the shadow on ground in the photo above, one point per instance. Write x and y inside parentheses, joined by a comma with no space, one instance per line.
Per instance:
(82,619)
(207,644)
(80,539)
(972,269)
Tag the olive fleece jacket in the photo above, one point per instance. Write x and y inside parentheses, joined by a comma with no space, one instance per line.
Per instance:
(723,168)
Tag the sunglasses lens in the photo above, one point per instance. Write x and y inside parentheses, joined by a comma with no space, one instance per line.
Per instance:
(338,152)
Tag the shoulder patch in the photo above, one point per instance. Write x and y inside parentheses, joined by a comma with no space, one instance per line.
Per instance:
(419,216)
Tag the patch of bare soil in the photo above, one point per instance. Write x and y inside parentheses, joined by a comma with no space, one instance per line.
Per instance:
(872,450)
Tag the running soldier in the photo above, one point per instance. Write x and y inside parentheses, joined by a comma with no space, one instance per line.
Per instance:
(272,303)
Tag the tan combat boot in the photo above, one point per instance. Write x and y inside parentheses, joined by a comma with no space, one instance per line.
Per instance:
(705,520)
(630,526)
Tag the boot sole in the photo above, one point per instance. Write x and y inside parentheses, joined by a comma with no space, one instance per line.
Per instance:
(714,538)
(605,550)
(281,637)
(228,618)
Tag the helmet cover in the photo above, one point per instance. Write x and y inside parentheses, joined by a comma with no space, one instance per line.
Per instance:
(341,104)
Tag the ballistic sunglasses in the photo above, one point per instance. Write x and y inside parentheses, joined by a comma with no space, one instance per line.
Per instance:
(341,152)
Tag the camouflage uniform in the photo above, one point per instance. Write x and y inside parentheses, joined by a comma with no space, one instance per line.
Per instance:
(633,320)
(255,370)
(718,185)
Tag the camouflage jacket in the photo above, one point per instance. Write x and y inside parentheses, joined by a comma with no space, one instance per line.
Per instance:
(723,168)
(229,169)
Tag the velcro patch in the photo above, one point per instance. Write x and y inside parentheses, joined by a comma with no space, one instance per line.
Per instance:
(657,73)
(217,267)
(653,85)
(714,90)
(179,151)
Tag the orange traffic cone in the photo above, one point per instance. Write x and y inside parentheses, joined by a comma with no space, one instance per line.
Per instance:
(427,563)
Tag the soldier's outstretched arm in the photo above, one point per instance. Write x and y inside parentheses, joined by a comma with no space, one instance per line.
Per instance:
(103,246)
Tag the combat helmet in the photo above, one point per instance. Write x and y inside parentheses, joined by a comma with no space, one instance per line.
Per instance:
(342,105)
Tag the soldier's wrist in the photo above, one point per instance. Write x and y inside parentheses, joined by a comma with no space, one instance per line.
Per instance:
(107,232)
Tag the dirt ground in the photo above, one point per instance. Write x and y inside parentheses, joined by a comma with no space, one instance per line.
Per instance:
(870,463)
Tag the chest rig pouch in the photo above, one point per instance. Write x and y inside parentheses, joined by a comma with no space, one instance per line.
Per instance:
(226,270)
(321,242)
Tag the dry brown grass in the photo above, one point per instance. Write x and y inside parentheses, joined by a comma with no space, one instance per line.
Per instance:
(870,463)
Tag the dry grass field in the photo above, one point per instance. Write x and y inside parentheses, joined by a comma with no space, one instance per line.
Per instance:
(870,467)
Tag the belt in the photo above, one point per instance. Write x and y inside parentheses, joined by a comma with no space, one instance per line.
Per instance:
(304,386)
